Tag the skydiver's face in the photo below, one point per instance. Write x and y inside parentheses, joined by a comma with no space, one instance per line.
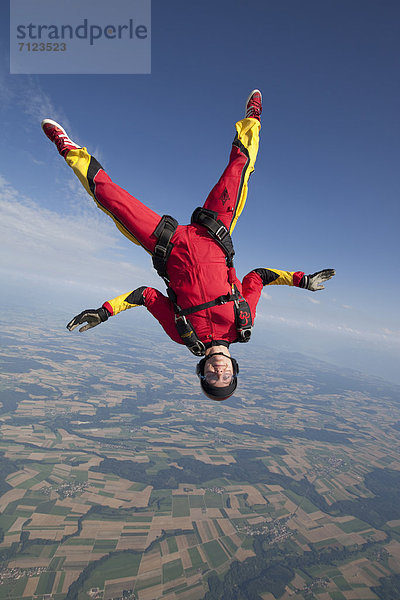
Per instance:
(218,370)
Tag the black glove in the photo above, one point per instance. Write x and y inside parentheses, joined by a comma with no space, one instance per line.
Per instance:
(91,316)
(314,282)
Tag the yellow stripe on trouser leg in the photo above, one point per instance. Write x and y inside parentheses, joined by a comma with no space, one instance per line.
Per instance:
(248,134)
(79,161)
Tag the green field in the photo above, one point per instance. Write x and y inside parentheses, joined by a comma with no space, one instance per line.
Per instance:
(342,583)
(121,564)
(151,453)
(172,570)
(353,526)
(46,582)
(196,501)
(195,557)
(180,506)
(172,545)
(214,553)
(213,500)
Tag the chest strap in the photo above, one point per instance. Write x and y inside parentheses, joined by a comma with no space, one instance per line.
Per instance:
(167,227)
(217,230)
(243,320)
(183,312)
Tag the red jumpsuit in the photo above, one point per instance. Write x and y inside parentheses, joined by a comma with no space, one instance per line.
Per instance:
(196,267)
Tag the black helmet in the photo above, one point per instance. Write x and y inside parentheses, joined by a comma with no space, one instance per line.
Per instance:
(212,391)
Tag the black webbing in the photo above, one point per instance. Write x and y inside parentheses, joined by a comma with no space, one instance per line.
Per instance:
(217,230)
(217,302)
(163,232)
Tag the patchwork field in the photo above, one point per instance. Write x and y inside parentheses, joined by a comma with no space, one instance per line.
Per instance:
(114,484)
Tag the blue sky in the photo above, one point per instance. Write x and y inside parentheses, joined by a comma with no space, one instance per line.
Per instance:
(325,192)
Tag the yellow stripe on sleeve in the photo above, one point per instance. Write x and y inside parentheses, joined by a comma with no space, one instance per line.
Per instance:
(119,303)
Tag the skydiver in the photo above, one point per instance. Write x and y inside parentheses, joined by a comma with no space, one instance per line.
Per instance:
(207,307)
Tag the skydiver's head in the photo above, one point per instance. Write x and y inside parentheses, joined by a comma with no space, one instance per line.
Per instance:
(218,372)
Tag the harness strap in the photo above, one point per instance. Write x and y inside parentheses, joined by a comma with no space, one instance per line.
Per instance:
(215,227)
(243,318)
(218,301)
(163,232)
(189,336)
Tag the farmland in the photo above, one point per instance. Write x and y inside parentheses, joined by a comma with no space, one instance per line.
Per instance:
(112,482)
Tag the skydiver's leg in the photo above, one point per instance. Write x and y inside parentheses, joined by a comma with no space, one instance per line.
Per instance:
(132,217)
(228,196)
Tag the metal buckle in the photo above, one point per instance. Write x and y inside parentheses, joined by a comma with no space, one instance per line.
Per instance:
(180,317)
(224,299)
(220,236)
(160,250)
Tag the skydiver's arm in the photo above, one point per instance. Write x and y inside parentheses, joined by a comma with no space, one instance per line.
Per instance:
(125,301)
(257,279)
(95,316)
(277,277)
(297,278)
(254,282)
(162,309)
(156,303)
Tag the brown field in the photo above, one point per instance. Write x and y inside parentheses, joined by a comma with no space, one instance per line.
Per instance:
(196,593)
(355,594)
(25,563)
(242,554)
(151,593)
(10,496)
(30,587)
(150,562)
(133,543)
(114,587)
(70,577)
(337,470)
(10,539)
(206,532)
(20,476)
(17,525)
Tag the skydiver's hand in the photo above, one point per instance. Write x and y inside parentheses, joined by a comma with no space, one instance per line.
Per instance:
(314,282)
(91,316)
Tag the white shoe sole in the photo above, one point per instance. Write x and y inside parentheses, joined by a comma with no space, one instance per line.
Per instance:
(51,122)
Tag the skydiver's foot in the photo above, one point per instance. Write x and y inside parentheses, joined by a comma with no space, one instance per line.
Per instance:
(58,136)
(254,105)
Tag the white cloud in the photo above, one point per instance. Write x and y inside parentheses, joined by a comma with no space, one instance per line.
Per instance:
(313,300)
(329,326)
(266,296)
(42,245)
(26,94)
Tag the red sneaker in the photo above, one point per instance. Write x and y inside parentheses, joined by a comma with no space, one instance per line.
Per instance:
(58,136)
(254,105)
